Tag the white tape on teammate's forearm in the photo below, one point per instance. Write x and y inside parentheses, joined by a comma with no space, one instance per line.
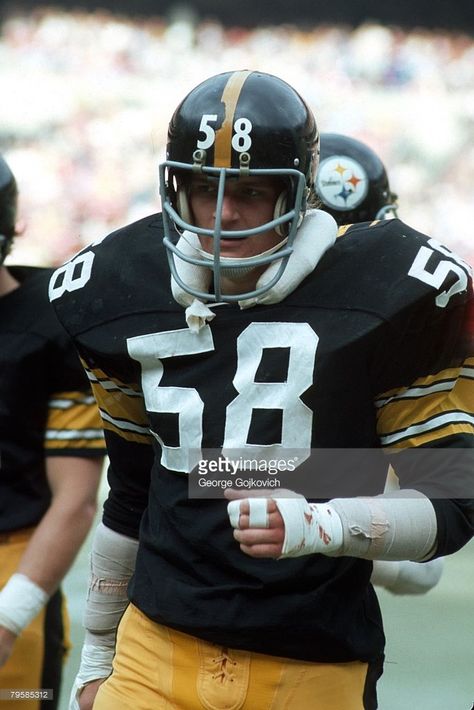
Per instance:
(112,564)
(20,601)
(96,663)
(309,527)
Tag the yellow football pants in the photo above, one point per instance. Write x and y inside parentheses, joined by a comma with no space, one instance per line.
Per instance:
(24,669)
(157,668)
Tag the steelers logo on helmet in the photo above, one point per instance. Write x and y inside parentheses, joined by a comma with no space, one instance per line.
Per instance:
(342,183)
(352,182)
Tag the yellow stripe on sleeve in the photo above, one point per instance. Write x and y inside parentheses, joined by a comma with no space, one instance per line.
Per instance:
(432,408)
(121,407)
(73,422)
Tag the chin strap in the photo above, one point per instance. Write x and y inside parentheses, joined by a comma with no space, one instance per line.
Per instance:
(316,235)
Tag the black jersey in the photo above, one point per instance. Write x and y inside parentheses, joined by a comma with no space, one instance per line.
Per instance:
(46,404)
(366,353)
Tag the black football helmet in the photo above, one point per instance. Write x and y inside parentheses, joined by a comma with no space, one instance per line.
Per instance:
(8,206)
(231,125)
(352,182)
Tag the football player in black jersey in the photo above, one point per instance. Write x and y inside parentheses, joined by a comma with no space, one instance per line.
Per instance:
(352,181)
(272,347)
(52,450)
(353,186)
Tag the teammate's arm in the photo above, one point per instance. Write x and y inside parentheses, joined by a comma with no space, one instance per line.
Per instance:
(115,542)
(52,547)
(114,549)
(112,564)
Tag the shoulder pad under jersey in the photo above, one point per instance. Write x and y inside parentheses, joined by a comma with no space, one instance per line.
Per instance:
(126,272)
(385,267)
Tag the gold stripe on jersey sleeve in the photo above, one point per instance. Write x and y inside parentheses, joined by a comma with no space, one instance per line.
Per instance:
(230,97)
(432,408)
(73,423)
(343,228)
(121,407)
(443,380)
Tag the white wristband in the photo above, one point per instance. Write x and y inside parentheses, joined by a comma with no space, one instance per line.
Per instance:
(96,663)
(20,601)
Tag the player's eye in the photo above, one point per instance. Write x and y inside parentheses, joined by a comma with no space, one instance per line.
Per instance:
(204,188)
(253,192)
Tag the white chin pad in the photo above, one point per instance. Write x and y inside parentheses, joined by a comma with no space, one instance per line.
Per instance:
(258,517)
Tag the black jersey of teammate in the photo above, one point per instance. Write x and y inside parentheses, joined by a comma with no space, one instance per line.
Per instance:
(46,406)
(352,359)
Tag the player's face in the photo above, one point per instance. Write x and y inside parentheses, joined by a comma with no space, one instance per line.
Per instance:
(248,203)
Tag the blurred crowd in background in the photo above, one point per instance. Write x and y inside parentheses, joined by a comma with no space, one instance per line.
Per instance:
(86,99)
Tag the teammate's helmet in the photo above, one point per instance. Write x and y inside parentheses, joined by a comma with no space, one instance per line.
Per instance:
(231,125)
(8,205)
(352,181)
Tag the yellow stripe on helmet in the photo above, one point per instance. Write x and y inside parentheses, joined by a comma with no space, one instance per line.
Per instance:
(230,96)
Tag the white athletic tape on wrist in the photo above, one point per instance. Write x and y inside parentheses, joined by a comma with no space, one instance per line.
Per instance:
(20,601)
(309,527)
(399,525)
(112,564)
(96,662)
